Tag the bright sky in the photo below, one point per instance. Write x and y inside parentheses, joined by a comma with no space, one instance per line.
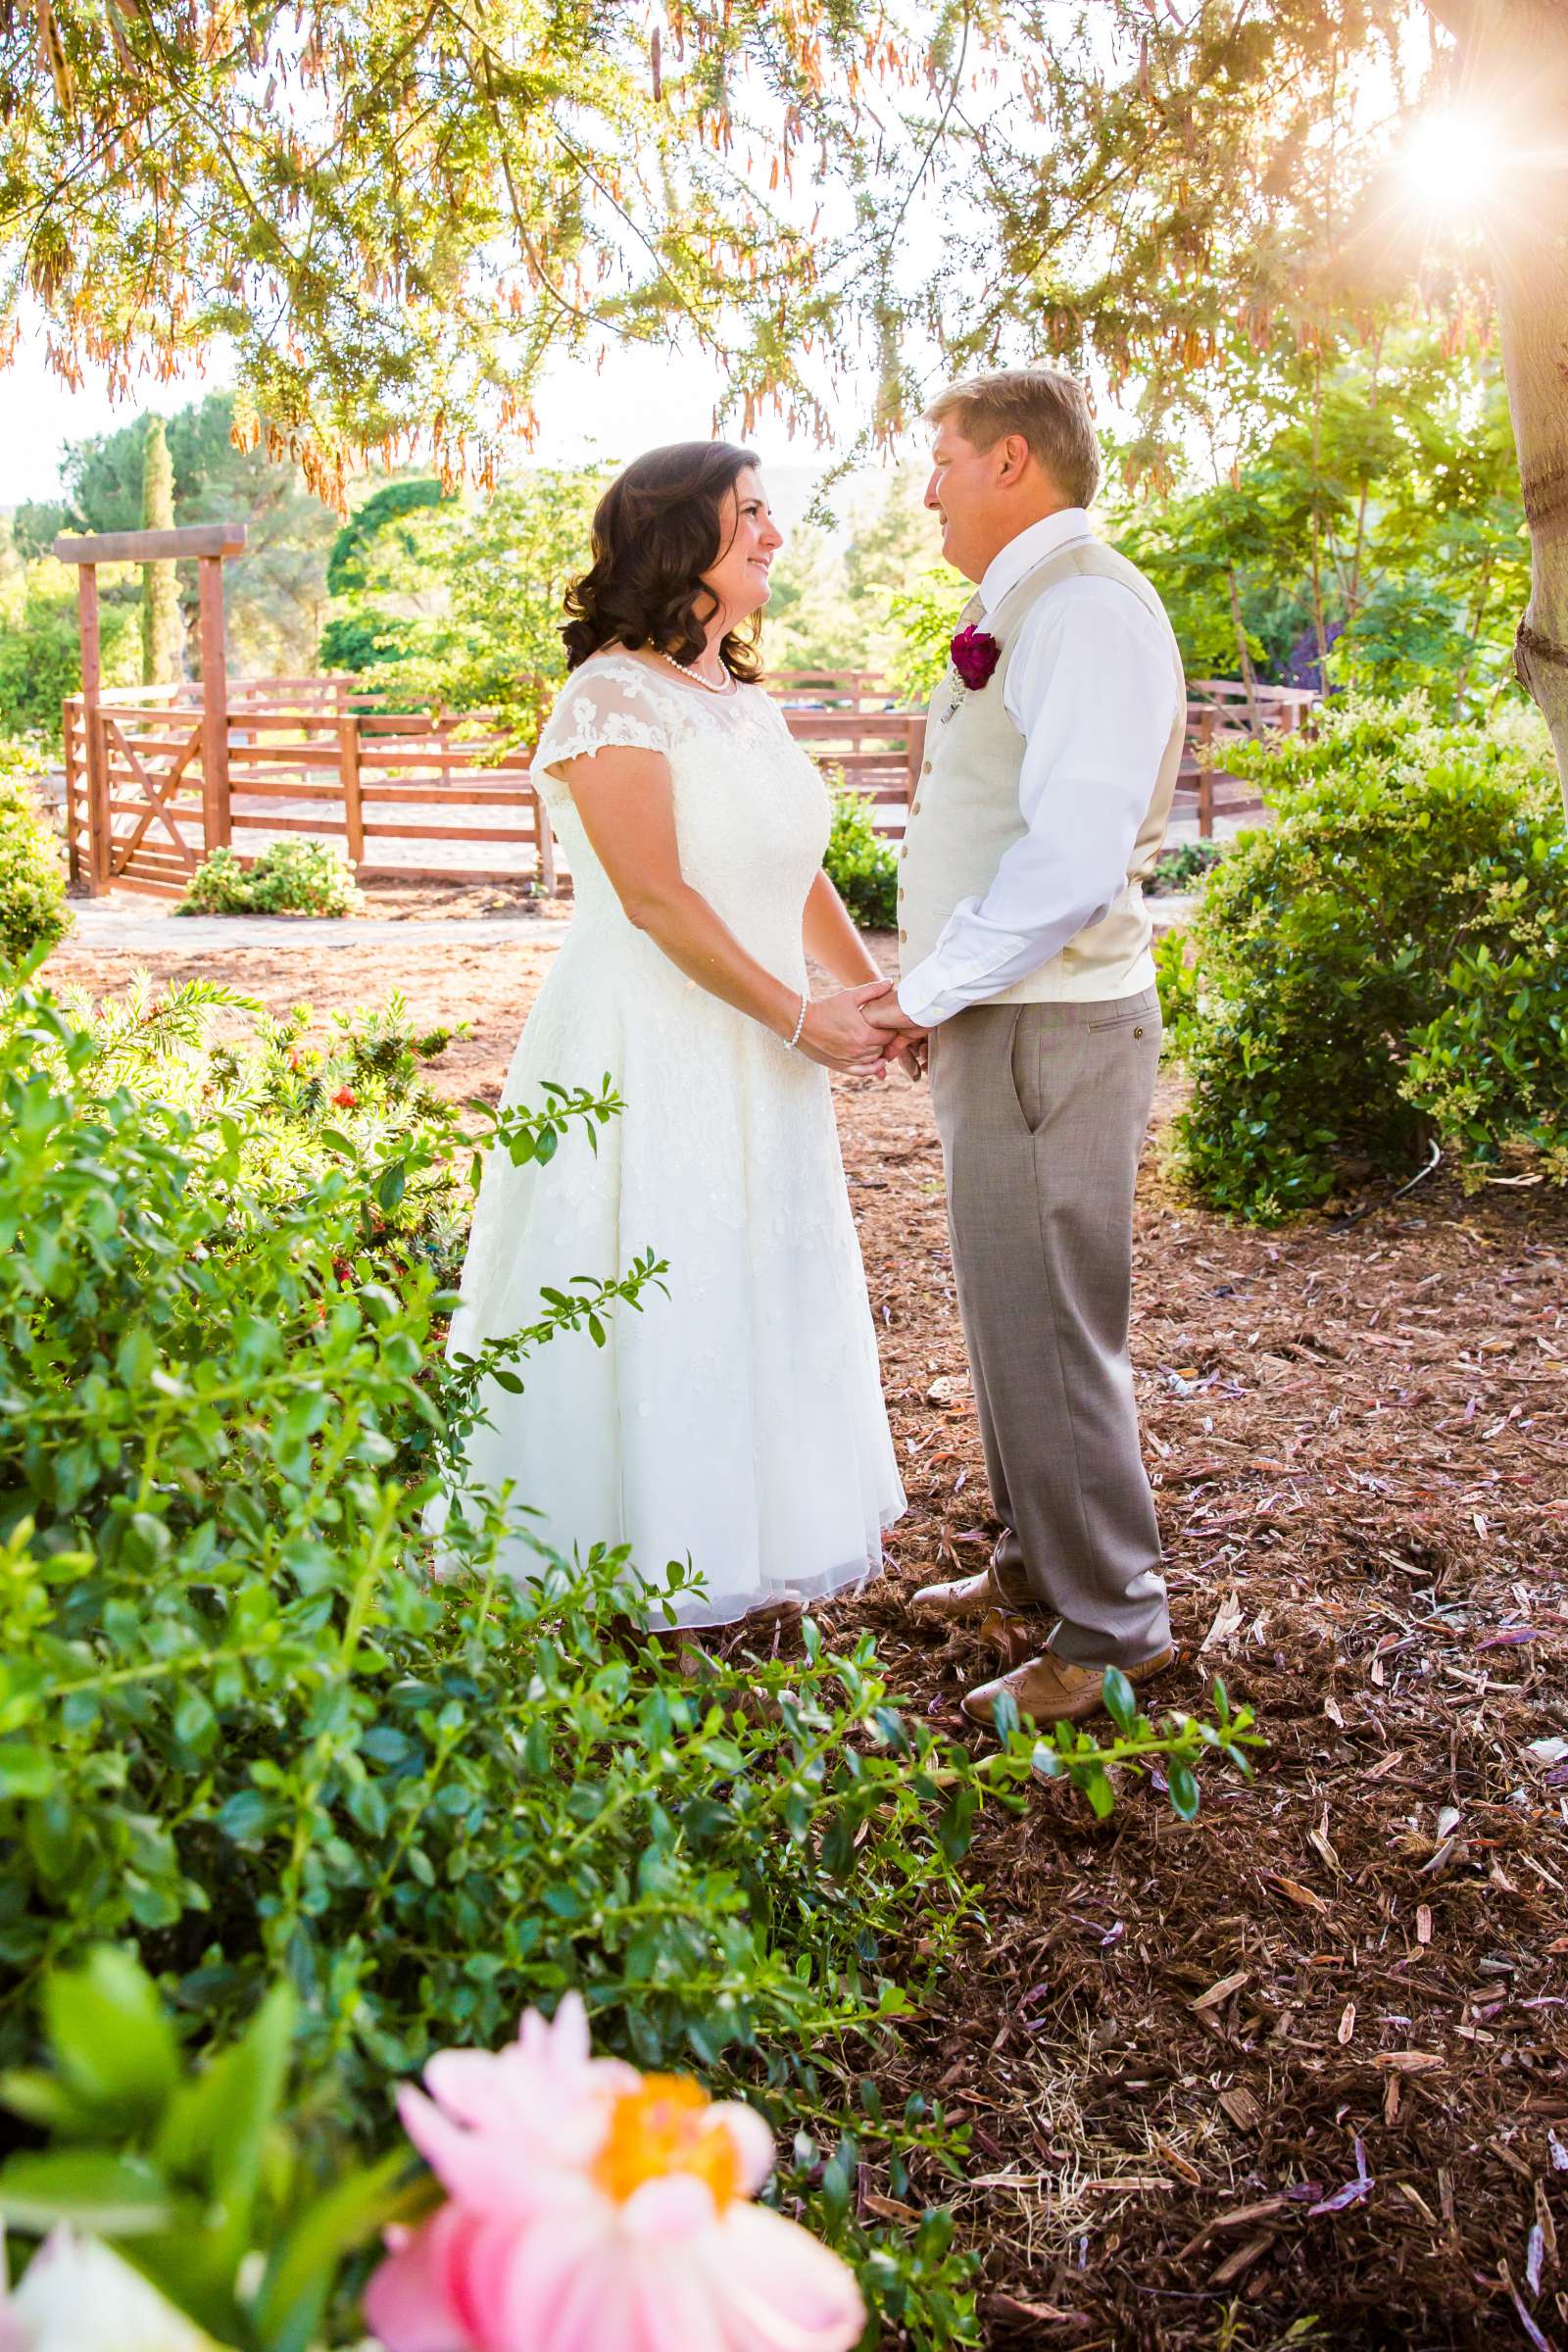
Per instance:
(640,398)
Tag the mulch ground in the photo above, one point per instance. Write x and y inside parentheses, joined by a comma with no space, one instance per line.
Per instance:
(1293,2073)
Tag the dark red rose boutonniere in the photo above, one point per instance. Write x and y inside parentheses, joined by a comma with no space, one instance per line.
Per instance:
(976,655)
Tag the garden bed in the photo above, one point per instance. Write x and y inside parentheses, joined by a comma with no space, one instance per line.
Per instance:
(1171,2035)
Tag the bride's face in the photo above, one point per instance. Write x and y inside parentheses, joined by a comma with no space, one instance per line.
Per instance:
(750,540)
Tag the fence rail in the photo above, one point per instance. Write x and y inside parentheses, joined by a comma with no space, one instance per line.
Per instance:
(324,758)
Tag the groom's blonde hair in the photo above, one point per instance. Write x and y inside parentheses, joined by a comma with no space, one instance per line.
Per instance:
(1048,410)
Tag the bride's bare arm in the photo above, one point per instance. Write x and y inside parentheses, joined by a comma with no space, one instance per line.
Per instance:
(831,939)
(624,800)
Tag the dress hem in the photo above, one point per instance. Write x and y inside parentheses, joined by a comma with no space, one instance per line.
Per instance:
(762,1604)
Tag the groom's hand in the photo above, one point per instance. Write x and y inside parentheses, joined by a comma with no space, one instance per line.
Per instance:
(905,1041)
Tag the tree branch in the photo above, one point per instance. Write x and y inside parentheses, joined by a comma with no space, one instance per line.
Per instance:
(1457,16)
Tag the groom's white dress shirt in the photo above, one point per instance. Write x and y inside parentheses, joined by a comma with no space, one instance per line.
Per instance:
(1089,688)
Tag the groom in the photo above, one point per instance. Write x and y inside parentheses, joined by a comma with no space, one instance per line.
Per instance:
(1050,757)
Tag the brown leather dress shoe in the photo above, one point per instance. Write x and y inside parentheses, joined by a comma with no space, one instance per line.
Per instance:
(1053,1689)
(970,1596)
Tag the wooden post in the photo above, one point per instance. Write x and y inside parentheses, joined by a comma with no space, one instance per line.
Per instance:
(99,827)
(1208,720)
(216,826)
(348,751)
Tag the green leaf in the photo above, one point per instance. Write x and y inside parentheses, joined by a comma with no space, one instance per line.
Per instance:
(110,2035)
(302,2268)
(114,2197)
(1121,1701)
(1183,1784)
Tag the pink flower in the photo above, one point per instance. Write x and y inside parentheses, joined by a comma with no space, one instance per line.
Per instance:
(595,2208)
(976,655)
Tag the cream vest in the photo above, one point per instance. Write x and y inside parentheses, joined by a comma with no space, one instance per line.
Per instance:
(965,811)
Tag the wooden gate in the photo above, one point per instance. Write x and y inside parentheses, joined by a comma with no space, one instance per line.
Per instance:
(147,771)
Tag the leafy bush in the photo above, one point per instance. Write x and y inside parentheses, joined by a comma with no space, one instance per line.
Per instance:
(289,877)
(32,881)
(1384,965)
(862,862)
(245,1730)
(40,653)
(1179,867)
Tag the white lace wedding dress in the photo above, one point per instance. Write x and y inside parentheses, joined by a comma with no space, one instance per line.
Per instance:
(739,1420)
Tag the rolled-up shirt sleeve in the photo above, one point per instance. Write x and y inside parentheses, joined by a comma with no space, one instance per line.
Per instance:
(1091,688)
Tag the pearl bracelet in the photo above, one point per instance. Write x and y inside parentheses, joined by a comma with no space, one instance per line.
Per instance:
(800,1023)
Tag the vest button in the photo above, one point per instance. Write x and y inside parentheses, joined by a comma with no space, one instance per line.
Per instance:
(1138,1032)
(904,936)
(916,811)
(927,770)
(904,849)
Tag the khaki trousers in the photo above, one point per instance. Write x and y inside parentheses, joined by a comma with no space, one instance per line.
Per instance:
(1041,1110)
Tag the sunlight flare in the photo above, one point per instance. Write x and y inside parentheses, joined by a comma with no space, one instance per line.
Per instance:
(1450,160)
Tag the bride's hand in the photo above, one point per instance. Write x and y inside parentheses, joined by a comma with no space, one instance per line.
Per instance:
(837,1034)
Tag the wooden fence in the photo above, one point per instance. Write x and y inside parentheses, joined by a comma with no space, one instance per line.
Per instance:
(152,785)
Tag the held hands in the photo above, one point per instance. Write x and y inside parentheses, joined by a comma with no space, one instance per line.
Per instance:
(902,1041)
(862,1029)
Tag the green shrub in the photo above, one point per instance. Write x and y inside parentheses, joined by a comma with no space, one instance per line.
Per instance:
(862,864)
(245,1730)
(1187,862)
(1383,965)
(32,877)
(289,877)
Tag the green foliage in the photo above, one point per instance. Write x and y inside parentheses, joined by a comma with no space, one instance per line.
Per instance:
(354,554)
(1382,965)
(245,1731)
(1176,977)
(1184,865)
(239,2214)
(927,614)
(288,877)
(41,657)
(359,641)
(1378,504)
(272,593)
(862,864)
(32,876)
(463,605)
(834,603)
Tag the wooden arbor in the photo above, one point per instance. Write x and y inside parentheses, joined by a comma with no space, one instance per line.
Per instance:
(139,781)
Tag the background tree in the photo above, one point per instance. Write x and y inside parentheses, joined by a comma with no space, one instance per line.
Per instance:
(392,218)
(276,592)
(460,602)
(160,597)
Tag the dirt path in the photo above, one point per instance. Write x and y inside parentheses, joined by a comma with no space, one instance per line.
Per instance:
(1176,2044)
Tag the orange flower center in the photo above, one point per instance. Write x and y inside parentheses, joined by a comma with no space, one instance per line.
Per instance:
(661,2127)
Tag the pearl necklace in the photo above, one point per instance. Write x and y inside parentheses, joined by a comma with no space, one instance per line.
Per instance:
(696,676)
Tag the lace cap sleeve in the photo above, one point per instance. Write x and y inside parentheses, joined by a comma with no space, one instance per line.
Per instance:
(602,707)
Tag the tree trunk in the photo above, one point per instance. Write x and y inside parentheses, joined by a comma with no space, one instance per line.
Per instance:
(1515,73)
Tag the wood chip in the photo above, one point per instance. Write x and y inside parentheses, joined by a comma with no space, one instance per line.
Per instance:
(1298,1893)
(1222,1991)
(1347,2024)
(1423,1923)
(1242,2108)
(1411,2062)
(1241,2260)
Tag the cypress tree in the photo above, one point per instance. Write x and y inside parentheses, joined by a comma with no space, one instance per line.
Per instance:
(160,597)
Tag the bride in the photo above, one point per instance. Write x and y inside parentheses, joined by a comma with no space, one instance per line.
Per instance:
(739,1419)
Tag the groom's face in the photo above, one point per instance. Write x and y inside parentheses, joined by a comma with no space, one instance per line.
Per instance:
(967,491)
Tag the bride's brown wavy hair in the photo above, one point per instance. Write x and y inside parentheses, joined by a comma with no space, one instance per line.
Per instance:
(657,529)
